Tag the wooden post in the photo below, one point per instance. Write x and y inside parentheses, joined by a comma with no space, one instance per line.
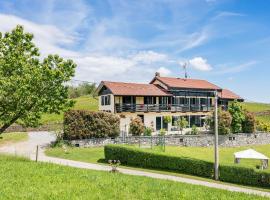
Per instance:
(37,154)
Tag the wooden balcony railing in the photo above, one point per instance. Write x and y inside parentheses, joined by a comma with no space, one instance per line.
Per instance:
(162,108)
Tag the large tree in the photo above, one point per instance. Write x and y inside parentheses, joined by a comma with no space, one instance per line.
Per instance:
(30,85)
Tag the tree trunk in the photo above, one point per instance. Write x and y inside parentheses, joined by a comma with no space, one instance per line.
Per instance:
(6,125)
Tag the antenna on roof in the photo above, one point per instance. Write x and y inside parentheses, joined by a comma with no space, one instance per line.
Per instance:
(185,69)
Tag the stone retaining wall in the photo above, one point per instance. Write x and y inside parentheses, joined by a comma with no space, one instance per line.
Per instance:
(204,140)
(45,127)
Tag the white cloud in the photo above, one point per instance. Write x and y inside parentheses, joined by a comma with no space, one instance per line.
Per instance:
(149,57)
(200,64)
(91,67)
(48,38)
(228,68)
(164,71)
(228,14)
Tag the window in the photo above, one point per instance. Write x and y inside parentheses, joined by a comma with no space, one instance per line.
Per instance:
(149,100)
(129,100)
(180,100)
(105,100)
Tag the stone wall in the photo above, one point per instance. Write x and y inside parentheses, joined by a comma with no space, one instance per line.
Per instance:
(45,127)
(204,140)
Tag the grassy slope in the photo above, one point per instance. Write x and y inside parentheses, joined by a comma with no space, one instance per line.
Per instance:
(255,107)
(258,107)
(24,179)
(82,103)
(13,137)
(203,153)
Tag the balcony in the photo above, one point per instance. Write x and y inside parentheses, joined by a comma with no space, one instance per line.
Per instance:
(162,108)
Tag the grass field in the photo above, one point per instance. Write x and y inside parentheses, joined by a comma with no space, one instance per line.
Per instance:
(82,103)
(255,107)
(12,137)
(23,179)
(258,107)
(96,154)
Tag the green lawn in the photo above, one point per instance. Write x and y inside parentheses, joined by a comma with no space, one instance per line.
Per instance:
(96,154)
(82,103)
(23,179)
(13,137)
(255,107)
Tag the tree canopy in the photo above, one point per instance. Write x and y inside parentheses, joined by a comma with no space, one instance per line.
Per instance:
(30,84)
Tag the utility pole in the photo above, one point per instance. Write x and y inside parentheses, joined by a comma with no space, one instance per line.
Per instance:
(216,138)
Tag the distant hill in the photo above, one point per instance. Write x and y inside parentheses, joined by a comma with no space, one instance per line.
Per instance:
(261,110)
(82,103)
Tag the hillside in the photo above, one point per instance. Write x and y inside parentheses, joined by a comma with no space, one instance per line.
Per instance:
(261,110)
(82,103)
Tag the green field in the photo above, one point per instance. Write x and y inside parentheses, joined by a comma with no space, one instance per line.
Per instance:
(82,103)
(6,138)
(255,107)
(258,107)
(23,179)
(96,154)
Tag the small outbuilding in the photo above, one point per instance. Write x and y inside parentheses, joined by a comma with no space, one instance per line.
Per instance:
(251,154)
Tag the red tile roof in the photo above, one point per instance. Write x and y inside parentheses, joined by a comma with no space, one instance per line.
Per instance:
(186,83)
(227,94)
(135,89)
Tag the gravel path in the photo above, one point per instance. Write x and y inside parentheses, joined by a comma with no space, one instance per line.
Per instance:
(28,149)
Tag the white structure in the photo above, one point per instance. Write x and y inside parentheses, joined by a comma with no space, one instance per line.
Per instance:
(251,154)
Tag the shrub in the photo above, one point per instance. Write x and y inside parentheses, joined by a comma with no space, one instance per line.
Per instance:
(162,131)
(249,123)
(246,176)
(238,116)
(136,157)
(81,124)
(167,119)
(263,126)
(148,131)
(136,126)
(140,158)
(224,122)
(181,123)
(194,130)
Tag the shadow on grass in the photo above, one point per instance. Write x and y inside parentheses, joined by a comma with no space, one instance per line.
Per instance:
(102,160)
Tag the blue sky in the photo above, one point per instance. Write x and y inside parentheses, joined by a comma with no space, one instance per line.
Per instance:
(225,42)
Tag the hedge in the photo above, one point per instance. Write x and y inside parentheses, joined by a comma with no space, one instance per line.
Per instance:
(81,124)
(245,176)
(136,157)
(139,158)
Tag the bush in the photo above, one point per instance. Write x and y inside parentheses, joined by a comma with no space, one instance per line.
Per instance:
(167,119)
(136,126)
(246,176)
(148,131)
(263,126)
(162,132)
(139,158)
(249,123)
(136,157)
(224,122)
(194,130)
(238,117)
(81,124)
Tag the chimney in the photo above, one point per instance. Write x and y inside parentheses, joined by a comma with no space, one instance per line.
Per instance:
(157,74)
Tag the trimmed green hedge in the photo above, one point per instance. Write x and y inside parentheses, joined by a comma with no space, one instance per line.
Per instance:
(82,124)
(136,157)
(245,176)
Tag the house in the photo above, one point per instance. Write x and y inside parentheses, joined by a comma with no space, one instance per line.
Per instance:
(163,96)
